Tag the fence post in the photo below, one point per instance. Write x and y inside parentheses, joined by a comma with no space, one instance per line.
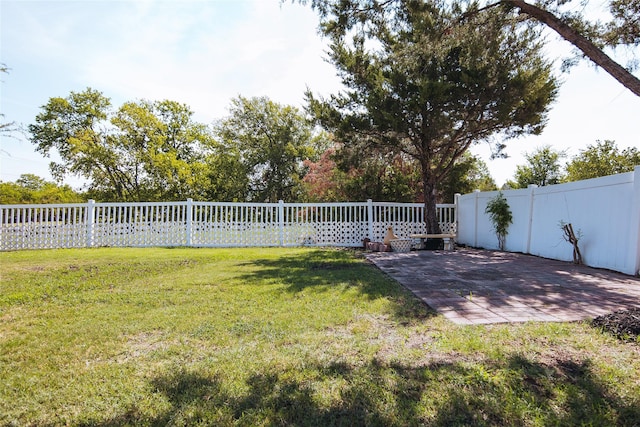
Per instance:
(281,221)
(189,220)
(532,189)
(476,194)
(370,218)
(91,215)
(1,226)
(456,203)
(634,241)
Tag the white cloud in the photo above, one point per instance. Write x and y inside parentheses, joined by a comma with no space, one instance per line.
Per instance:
(203,56)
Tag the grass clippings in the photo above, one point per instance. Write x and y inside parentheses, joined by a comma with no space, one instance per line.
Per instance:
(623,324)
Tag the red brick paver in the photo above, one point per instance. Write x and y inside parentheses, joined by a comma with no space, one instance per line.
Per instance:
(470,286)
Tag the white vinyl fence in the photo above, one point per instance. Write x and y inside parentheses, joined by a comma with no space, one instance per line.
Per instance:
(202,224)
(604,211)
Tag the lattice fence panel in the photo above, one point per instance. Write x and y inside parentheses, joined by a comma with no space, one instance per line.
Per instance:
(145,224)
(407,219)
(210,224)
(42,226)
(447,218)
(148,224)
(329,224)
(234,224)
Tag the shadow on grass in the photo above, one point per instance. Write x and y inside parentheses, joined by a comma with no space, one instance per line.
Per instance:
(323,270)
(318,269)
(515,391)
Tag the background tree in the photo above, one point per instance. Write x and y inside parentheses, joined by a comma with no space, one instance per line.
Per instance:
(602,159)
(323,181)
(385,178)
(377,173)
(144,151)
(543,168)
(272,141)
(227,176)
(424,84)
(31,189)
(468,174)
(164,148)
(341,175)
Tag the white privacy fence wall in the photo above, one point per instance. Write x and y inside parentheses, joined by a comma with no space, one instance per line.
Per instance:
(605,211)
(193,223)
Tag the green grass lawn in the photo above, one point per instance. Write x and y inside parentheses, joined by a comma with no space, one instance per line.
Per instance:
(280,337)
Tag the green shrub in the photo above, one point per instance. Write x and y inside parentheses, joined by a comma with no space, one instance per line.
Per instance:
(501,217)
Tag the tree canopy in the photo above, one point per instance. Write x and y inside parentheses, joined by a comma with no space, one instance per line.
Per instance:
(562,16)
(468,174)
(143,151)
(147,151)
(341,174)
(543,168)
(32,189)
(361,173)
(424,82)
(271,142)
(602,159)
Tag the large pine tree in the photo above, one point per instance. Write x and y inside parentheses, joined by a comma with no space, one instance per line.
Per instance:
(430,80)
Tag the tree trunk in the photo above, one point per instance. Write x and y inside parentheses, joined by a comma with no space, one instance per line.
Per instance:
(590,50)
(570,237)
(430,201)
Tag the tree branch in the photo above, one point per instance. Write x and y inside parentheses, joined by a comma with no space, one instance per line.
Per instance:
(587,47)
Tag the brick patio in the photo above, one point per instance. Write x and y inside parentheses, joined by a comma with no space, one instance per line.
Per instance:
(470,286)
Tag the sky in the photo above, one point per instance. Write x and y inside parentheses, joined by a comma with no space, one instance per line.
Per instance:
(204,53)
